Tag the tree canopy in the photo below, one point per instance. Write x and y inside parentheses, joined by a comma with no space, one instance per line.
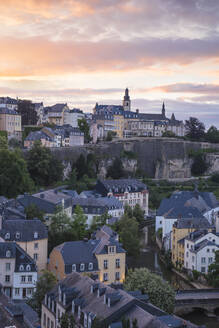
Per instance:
(44,168)
(14,176)
(116,170)
(84,127)
(32,211)
(159,291)
(212,135)
(195,130)
(213,271)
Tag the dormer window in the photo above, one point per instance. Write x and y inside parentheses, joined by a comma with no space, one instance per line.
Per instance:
(8,253)
(90,266)
(73,267)
(35,235)
(18,235)
(111,249)
(82,267)
(28,268)
(7,235)
(21,268)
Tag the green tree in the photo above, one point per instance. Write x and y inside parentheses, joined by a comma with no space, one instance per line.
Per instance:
(72,179)
(199,165)
(32,211)
(116,170)
(138,213)
(3,142)
(195,130)
(67,321)
(44,168)
(14,176)
(44,284)
(134,323)
(81,166)
(14,143)
(60,229)
(79,224)
(84,127)
(110,135)
(127,228)
(159,291)
(169,134)
(212,134)
(213,271)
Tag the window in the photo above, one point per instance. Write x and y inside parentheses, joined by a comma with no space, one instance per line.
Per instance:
(48,322)
(187,254)
(117,276)
(23,278)
(203,269)
(7,278)
(105,264)
(187,245)
(29,278)
(90,266)
(73,267)
(8,253)
(8,266)
(208,250)
(7,235)
(210,260)
(35,256)
(82,267)
(44,319)
(111,249)
(35,235)
(117,263)
(21,268)
(193,259)
(28,268)
(105,276)
(35,245)
(29,291)
(203,260)
(17,291)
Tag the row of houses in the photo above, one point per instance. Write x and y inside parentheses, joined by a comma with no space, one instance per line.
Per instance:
(59,136)
(92,303)
(189,225)
(24,243)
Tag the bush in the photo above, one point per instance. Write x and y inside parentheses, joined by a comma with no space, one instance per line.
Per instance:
(215,177)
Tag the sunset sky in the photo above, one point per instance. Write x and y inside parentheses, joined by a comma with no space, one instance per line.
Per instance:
(83,52)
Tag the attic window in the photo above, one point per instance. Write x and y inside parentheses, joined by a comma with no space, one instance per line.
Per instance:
(28,268)
(18,235)
(82,267)
(35,235)
(8,253)
(73,267)
(7,235)
(21,268)
(90,267)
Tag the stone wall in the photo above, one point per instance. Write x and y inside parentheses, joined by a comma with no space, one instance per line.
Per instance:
(156,157)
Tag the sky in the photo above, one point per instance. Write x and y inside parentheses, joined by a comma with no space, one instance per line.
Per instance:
(83,52)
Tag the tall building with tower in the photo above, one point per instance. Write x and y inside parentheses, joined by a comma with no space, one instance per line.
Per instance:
(126,100)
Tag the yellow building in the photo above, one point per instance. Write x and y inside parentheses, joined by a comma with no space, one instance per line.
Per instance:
(102,258)
(119,124)
(181,228)
(56,114)
(31,235)
(10,121)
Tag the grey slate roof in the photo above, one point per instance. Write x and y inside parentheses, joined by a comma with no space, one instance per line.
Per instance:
(77,252)
(56,108)
(20,256)
(37,135)
(26,228)
(119,186)
(152,117)
(79,288)
(6,110)
(182,203)
(197,223)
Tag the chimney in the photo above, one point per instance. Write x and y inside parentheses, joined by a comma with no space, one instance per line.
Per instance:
(109,302)
(104,299)
(53,306)
(60,294)
(45,299)
(64,299)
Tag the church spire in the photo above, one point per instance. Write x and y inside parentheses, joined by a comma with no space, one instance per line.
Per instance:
(126,100)
(163,110)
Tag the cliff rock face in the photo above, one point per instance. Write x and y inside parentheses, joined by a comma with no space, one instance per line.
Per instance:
(213,161)
(156,157)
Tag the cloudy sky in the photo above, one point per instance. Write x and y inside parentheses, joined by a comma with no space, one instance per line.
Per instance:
(87,51)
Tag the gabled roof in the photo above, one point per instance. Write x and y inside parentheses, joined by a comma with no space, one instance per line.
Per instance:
(119,186)
(57,108)
(25,228)
(193,222)
(152,117)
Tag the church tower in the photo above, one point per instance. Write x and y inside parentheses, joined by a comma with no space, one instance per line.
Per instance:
(126,100)
(163,110)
